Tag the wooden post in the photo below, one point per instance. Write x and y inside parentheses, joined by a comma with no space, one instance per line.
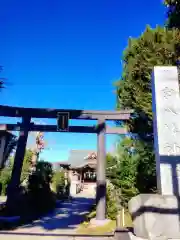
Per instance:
(18,160)
(101,172)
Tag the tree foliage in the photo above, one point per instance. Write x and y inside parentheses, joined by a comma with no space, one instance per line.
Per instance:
(111,204)
(146,168)
(26,165)
(122,170)
(41,178)
(5,174)
(39,195)
(59,182)
(132,170)
(173,13)
(154,47)
(159,46)
(35,198)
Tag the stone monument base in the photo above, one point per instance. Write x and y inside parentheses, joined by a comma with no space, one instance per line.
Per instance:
(125,234)
(155,216)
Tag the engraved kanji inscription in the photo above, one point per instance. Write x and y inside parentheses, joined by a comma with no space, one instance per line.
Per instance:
(168,92)
(173,128)
(171,110)
(172,149)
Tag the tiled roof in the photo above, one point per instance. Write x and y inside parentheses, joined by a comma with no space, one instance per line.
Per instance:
(60,162)
(57,164)
(77,157)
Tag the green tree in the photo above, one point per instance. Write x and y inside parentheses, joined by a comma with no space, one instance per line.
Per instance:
(5,176)
(154,47)
(45,171)
(146,168)
(41,178)
(58,183)
(40,197)
(26,165)
(122,170)
(173,13)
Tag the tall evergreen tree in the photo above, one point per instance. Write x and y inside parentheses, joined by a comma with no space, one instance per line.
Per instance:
(154,47)
(173,13)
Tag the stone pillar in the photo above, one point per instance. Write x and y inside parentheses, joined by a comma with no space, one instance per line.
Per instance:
(166,118)
(101,172)
(18,160)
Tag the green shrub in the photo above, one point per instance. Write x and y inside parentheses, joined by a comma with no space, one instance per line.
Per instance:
(111,204)
(5,173)
(58,183)
(39,195)
(5,178)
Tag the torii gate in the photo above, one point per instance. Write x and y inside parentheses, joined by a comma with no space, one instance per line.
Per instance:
(101,129)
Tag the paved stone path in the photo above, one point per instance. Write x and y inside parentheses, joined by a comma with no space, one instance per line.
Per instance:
(64,220)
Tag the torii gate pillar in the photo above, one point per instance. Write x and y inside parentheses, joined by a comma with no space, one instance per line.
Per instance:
(18,161)
(101,172)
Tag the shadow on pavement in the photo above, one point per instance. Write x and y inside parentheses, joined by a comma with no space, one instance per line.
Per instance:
(66,216)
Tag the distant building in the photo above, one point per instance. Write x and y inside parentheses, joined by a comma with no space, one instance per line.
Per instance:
(81,169)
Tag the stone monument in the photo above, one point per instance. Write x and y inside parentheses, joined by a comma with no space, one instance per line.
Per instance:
(158,215)
(166,118)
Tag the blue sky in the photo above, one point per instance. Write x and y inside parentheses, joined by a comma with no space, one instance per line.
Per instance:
(67,54)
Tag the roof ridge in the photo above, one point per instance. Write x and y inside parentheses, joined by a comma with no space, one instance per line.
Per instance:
(83,150)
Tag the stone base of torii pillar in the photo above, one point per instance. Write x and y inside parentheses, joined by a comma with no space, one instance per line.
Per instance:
(96,222)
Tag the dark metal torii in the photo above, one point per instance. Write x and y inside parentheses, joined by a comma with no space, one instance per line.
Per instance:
(100,129)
